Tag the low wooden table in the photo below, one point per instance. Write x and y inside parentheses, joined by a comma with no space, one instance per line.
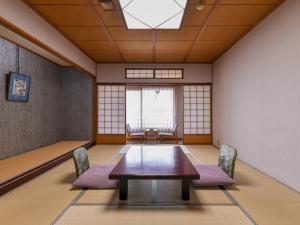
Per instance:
(154,162)
(151,135)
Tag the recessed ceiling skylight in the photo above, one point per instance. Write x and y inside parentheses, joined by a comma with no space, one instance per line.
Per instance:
(153,14)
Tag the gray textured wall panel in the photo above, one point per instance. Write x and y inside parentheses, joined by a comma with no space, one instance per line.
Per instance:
(26,126)
(77,96)
(59,107)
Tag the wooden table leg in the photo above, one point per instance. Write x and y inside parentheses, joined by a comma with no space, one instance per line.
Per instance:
(123,190)
(185,191)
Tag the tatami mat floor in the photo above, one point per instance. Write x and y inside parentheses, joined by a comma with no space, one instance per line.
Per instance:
(50,199)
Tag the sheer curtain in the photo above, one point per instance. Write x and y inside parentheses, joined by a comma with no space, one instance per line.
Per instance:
(150,107)
(133,108)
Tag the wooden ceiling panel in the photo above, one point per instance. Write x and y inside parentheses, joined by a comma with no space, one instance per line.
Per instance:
(103,35)
(135,45)
(95,45)
(183,34)
(207,2)
(69,2)
(191,2)
(67,15)
(165,57)
(251,2)
(193,17)
(115,3)
(104,56)
(123,34)
(204,55)
(84,33)
(173,46)
(212,45)
(138,56)
(57,2)
(111,18)
(239,2)
(248,15)
(218,33)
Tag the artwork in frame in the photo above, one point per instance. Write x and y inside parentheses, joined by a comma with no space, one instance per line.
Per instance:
(18,87)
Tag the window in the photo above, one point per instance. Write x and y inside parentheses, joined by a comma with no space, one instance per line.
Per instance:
(197,114)
(133,108)
(111,109)
(169,73)
(139,73)
(150,107)
(154,73)
(154,14)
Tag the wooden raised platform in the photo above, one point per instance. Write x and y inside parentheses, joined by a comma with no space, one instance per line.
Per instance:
(21,168)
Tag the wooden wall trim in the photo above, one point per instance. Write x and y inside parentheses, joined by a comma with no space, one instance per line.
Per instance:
(111,139)
(95,109)
(194,139)
(22,178)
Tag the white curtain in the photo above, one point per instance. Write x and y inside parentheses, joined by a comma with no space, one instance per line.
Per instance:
(150,107)
(133,108)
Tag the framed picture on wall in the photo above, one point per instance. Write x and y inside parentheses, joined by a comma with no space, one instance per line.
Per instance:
(18,87)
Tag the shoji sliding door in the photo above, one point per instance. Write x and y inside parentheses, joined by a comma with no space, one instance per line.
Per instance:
(197,114)
(111,114)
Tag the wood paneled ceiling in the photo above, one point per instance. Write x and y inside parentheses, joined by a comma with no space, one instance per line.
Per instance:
(203,36)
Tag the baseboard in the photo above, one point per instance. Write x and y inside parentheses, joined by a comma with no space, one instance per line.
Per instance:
(22,178)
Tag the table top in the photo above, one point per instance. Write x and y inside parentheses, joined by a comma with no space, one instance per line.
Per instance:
(154,162)
(151,129)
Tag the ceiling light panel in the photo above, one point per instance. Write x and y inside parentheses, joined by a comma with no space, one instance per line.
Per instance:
(154,14)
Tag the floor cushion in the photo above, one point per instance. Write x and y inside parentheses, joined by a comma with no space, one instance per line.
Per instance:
(137,134)
(166,134)
(96,177)
(211,175)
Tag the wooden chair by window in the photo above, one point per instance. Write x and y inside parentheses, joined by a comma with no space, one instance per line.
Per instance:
(132,134)
(169,135)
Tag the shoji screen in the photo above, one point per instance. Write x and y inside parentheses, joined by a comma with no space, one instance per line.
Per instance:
(111,113)
(197,113)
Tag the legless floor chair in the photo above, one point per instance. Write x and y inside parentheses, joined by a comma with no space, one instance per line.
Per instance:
(221,175)
(94,177)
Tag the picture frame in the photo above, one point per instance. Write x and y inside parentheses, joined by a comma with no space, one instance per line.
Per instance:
(18,86)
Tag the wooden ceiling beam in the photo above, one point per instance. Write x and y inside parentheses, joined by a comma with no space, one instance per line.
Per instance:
(202,29)
(100,20)
(153,45)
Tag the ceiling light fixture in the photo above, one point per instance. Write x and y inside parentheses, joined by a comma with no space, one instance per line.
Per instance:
(200,5)
(107,5)
(153,14)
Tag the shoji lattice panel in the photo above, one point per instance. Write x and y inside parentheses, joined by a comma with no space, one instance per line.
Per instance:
(154,73)
(139,73)
(197,109)
(169,73)
(111,109)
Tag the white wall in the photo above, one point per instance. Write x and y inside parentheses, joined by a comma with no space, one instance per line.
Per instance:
(256,96)
(115,73)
